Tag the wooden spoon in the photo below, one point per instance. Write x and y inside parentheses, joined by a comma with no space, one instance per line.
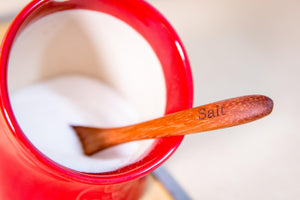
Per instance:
(212,116)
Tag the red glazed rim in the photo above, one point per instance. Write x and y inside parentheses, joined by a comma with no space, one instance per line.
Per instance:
(165,43)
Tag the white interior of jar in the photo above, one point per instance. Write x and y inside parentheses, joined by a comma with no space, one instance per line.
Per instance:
(95,45)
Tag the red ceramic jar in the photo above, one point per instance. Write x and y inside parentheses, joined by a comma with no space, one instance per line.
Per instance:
(27,174)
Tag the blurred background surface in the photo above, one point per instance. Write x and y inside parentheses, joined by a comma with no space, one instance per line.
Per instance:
(236,47)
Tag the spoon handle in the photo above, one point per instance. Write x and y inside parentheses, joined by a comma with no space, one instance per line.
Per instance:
(222,114)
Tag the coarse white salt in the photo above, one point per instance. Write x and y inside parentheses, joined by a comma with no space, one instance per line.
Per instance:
(46,110)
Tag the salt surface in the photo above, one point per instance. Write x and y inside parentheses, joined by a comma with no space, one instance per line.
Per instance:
(46,110)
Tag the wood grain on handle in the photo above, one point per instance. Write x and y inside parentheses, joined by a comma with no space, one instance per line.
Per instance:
(212,116)
(204,118)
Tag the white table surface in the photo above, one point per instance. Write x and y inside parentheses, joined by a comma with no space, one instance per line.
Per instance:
(238,48)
